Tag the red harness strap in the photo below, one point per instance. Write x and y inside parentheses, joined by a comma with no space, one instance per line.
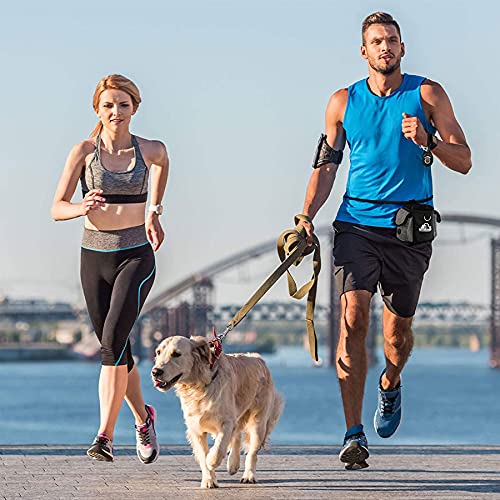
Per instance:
(216,346)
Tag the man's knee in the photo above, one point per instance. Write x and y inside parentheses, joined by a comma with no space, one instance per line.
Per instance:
(355,313)
(397,340)
(398,332)
(356,323)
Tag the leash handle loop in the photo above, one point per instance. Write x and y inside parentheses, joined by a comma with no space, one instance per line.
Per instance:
(291,247)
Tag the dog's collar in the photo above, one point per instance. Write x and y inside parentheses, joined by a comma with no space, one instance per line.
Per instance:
(214,357)
(215,350)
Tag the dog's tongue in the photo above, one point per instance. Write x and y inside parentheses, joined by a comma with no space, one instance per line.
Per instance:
(157,383)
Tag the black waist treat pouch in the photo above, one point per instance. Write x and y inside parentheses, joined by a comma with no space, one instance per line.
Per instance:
(416,223)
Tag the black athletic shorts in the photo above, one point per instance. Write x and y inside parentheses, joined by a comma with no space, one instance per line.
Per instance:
(365,257)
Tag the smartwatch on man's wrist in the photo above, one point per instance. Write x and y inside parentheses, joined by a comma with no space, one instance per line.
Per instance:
(432,141)
(157,209)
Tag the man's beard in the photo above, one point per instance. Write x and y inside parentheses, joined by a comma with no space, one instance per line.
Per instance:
(387,70)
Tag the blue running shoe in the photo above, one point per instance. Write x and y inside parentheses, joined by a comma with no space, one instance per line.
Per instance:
(388,414)
(355,449)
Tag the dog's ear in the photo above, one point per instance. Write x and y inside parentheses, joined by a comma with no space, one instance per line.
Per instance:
(201,348)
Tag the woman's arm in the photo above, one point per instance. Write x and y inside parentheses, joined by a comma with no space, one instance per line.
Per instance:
(159,175)
(62,208)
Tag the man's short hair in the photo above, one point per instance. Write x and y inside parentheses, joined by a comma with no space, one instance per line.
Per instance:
(378,18)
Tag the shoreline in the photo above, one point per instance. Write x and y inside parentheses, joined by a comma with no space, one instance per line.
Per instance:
(36,352)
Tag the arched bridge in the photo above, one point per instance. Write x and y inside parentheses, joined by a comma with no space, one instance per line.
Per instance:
(201,283)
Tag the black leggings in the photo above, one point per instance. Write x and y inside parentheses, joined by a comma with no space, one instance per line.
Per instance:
(115,285)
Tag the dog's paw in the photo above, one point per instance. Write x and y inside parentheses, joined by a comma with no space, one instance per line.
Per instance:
(232,469)
(208,483)
(248,479)
(233,464)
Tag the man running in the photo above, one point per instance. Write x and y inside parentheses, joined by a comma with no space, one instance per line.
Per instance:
(386,222)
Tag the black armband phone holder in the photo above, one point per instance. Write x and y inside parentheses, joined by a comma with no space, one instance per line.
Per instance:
(326,154)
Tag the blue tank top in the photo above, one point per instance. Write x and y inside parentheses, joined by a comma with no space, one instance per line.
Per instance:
(384,165)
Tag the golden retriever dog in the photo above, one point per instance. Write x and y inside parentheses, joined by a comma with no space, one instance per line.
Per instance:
(224,397)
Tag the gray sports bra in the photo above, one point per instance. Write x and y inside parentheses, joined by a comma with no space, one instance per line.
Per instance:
(130,186)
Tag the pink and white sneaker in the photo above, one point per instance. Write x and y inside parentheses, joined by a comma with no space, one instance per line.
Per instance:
(147,445)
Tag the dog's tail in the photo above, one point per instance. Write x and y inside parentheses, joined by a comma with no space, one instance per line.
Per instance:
(274,416)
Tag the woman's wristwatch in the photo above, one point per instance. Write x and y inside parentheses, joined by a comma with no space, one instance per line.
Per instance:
(157,209)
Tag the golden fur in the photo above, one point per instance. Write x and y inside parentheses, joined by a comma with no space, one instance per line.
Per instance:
(236,396)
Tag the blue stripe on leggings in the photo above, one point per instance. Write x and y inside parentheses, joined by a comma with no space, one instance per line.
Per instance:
(138,309)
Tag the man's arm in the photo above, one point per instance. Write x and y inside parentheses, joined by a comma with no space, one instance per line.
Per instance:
(452,151)
(322,178)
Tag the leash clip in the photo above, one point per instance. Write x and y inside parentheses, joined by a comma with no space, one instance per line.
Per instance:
(219,338)
(216,344)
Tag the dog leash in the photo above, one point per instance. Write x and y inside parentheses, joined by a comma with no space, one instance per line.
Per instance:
(292,248)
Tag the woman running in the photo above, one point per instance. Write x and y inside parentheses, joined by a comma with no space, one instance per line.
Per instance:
(117,259)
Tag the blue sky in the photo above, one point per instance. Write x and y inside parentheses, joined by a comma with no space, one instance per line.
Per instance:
(237,91)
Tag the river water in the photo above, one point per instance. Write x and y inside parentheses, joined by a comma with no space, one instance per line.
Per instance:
(450,397)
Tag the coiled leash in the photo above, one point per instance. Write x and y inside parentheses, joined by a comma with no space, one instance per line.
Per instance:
(292,248)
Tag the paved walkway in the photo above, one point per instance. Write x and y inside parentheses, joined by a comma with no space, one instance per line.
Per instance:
(291,472)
